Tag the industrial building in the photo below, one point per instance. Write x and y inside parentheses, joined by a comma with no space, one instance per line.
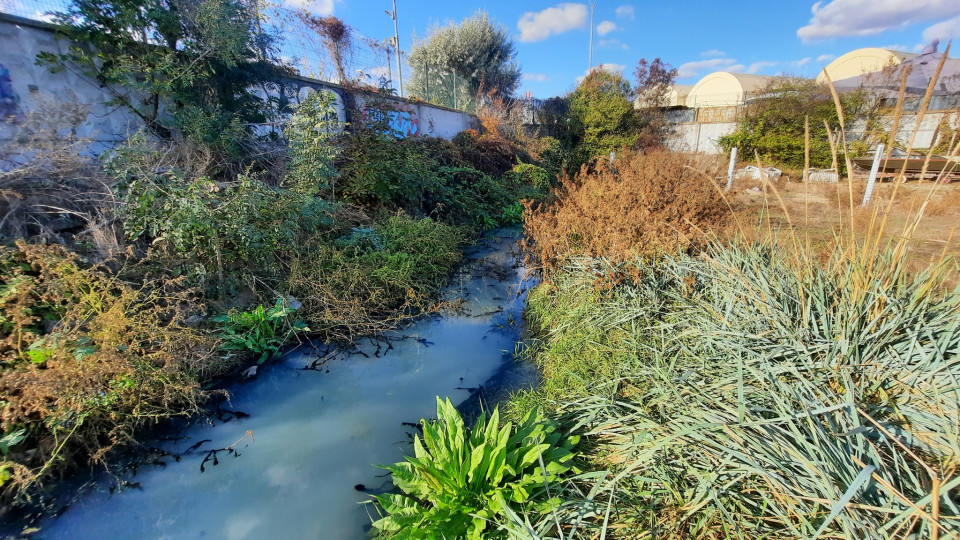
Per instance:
(709,109)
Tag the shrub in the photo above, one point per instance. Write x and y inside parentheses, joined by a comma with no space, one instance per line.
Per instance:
(644,205)
(310,132)
(526,174)
(491,154)
(602,117)
(87,360)
(460,483)
(221,228)
(370,280)
(773,125)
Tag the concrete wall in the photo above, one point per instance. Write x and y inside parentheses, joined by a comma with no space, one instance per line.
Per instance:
(26,87)
(699,138)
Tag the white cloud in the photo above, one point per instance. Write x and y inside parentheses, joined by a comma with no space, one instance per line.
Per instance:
(537,26)
(626,12)
(612,44)
(712,53)
(605,27)
(943,30)
(826,57)
(693,69)
(535,77)
(760,66)
(840,18)
(317,7)
(801,62)
(379,71)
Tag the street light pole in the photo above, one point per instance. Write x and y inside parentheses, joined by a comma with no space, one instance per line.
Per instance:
(593,4)
(396,42)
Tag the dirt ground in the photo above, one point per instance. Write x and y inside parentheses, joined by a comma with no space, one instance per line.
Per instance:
(819,212)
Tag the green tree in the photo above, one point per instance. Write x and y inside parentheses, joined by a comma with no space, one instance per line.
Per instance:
(184,67)
(457,62)
(602,117)
(773,125)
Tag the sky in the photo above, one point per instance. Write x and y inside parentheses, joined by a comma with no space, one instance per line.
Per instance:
(793,37)
(770,37)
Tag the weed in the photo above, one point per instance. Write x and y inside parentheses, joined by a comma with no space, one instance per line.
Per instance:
(261,330)
(462,483)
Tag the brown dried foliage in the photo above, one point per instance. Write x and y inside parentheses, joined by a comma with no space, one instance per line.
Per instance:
(644,205)
(87,360)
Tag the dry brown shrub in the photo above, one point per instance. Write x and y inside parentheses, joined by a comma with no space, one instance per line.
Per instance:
(86,360)
(48,181)
(489,153)
(645,204)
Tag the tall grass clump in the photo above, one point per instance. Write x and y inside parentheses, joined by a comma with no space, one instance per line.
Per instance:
(740,395)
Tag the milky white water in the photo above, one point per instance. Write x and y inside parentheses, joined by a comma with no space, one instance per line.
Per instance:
(318,434)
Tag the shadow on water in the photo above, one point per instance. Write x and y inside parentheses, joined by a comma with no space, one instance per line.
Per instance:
(291,454)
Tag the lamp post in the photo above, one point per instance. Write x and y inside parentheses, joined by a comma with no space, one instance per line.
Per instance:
(396,43)
(593,4)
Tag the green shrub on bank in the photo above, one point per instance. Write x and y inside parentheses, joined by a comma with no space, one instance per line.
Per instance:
(425,177)
(371,279)
(745,394)
(221,229)
(261,330)
(468,483)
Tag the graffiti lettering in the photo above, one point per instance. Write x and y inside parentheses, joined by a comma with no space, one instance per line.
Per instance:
(401,121)
(9,100)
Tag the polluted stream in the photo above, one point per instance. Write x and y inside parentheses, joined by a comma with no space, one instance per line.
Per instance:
(293,452)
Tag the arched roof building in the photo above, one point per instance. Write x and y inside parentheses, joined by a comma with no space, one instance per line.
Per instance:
(725,89)
(863,61)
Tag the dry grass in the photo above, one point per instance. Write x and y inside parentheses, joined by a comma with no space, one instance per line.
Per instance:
(819,215)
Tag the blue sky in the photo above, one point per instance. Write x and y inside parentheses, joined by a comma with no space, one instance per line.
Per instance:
(795,37)
(769,37)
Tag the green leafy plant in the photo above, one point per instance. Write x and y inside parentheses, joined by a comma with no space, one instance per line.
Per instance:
(460,480)
(262,330)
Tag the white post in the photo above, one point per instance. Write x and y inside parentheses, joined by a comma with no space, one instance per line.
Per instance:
(873,174)
(733,165)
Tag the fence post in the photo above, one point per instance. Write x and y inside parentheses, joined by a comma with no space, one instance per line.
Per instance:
(733,165)
(877,156)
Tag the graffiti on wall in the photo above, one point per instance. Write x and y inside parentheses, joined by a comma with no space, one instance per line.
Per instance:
(9,100)
(400,120)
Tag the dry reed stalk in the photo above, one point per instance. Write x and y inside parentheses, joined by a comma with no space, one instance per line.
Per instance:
(897,111)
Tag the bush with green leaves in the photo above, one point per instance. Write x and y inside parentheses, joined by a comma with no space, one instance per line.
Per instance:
(220,228)
(262,330)
(422,176)
(602,117)
(374,277)
(310,132)
(468,483)
(529,175)
(773,125)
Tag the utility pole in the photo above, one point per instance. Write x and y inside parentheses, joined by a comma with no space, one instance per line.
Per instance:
(396,43)
(593,4)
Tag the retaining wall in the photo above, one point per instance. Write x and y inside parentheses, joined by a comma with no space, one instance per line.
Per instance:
(25,87)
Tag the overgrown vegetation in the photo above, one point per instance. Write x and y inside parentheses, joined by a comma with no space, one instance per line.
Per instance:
(139,279)
(773,125)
